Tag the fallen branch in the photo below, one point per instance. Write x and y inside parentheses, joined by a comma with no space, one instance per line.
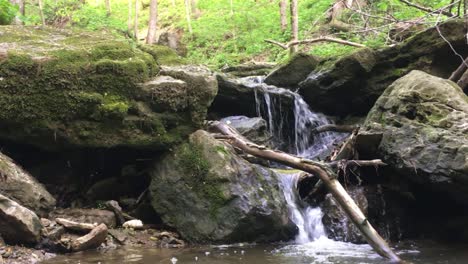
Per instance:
(75,226)
(426,9)
(334,128)
(457,74)
(315,40)
(325,173)
(93,239)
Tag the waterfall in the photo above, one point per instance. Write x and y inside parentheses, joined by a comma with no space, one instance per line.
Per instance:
(272,105)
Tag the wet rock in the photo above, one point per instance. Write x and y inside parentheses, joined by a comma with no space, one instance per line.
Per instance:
(93,239)
(209,194)
(255,128)
(19,225)
(419,127)
(335,220)
(20,186)
(89,216)
(115,207)
(293,72)
(167,93)
(352,84)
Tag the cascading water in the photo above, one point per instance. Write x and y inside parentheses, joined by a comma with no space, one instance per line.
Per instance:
(302,143)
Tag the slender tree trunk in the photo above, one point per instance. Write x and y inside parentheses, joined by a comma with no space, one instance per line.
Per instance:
(108,7)
(41,12)
(193,6)
(153,19)
(187,14)
(231,6)
(294,24)
(283,15)
(20,4)
(135,24)
(173,3)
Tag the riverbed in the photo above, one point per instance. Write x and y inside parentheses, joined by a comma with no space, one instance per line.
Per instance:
(320,251)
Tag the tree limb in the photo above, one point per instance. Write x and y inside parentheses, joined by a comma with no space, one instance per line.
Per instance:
(315,40)
(325,173)
(426,9)
(457,74)
(334,128)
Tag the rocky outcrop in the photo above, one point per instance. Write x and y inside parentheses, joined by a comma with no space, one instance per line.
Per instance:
(292,72)
(73,89)
(419,127)
(253,128)
(352,84)
(20,186)
(19,225)
(209,194)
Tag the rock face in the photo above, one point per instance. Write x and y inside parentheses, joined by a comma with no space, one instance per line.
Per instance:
(292,72)
(419,127)
(209,194)
(20,186)
(335,220)
(352,84)
(82,89)
(19,225)
(253,128)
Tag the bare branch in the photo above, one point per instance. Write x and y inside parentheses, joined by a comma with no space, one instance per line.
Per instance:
(334,128)
(283,46)
(457,74)
(315,40)
(426,9)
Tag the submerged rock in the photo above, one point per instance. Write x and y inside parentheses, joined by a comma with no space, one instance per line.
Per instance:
(352,84)
(19,225)
(20,186)
(292,72)
(209,194)
(70,88)
(419,126)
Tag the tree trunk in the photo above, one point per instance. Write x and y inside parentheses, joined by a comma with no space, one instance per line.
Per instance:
(41,12)
(152,22)
(187,14)
(463,82)
(193,6)
(283,15)
(20,4)
(173,2)
(294,25)
(324,172)
(135,24)
(108,7)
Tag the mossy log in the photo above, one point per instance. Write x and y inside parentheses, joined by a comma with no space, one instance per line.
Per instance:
(325,173)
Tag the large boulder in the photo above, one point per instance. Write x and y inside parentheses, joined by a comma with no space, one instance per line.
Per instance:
(419,127)
(209,194)
(19,225)
(74,89)
(293,72)
(20,186)
(352,84)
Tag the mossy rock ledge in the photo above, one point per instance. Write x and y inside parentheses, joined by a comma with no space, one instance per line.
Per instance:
(209,194)
(70,88)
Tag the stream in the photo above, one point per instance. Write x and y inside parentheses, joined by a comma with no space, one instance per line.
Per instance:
(311,245)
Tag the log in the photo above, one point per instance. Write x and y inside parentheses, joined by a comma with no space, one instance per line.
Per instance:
(325,173)
(75,226)
(93,239)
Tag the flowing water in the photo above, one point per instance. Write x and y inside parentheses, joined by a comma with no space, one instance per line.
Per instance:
(311,244)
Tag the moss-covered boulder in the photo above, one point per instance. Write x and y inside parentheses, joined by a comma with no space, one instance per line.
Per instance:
(419,126)
(69,88)
(292,72)
(352,84)
(209,194)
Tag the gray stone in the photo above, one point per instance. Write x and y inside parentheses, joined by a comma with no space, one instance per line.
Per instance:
(19,225)
(209,194)
(419,126)
(20,186)
(292,72)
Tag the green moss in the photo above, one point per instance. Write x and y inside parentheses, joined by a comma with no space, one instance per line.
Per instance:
(163,55)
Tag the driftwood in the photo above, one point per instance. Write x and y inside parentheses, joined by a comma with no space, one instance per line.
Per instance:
(334,128)
(93,239)
(326,175)
(315,40)
(75,226)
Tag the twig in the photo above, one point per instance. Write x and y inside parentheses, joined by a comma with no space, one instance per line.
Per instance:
(426,9)
(315,40)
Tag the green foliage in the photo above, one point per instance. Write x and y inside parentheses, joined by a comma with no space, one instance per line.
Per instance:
(7,12)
